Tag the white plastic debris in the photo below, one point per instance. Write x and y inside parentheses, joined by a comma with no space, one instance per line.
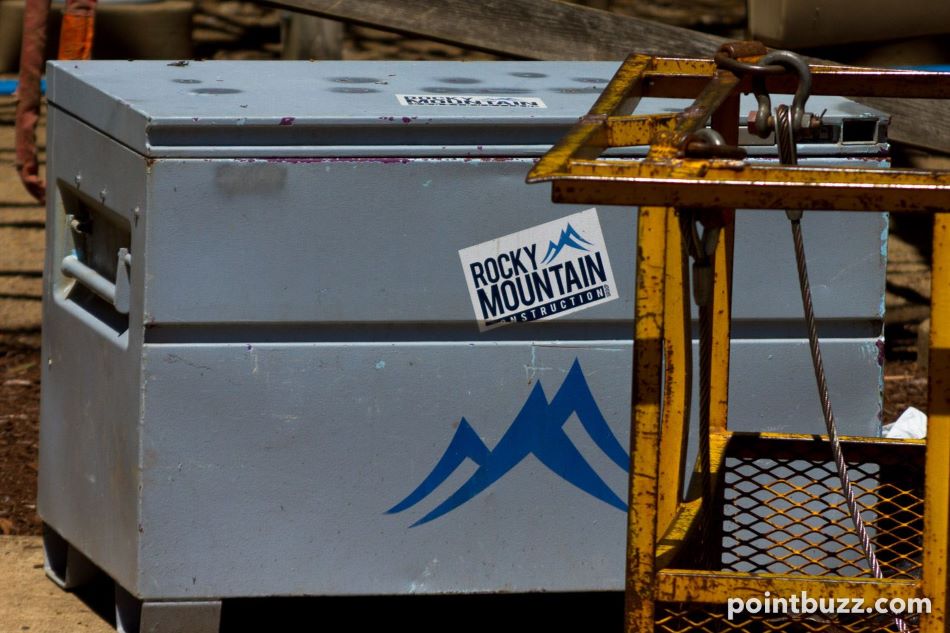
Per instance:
(911,425)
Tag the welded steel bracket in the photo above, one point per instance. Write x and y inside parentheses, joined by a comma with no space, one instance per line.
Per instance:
(675,579)
(668,176)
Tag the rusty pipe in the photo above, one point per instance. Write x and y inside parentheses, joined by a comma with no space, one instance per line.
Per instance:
(32,55)
(75,42)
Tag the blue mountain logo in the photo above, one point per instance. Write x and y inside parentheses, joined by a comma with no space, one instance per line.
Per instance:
(536,430)
(569,237)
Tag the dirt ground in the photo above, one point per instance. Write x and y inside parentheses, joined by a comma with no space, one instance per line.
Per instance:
(21,248)
(21,267)
(19,424)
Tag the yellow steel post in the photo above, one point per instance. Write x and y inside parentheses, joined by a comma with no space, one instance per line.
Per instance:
(678,374)
(645,421)
(721,328)
(724,121)
(937,483)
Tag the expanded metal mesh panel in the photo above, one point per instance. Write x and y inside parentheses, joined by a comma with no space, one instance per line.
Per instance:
(684,618)
(785,513)
(782,512)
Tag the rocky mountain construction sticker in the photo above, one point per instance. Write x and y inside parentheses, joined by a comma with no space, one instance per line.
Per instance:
(544,272)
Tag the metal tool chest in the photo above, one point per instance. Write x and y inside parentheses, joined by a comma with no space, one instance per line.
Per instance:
(265,368)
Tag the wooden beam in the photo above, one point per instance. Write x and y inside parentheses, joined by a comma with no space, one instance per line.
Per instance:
(556,30)
(920,123)
(529,29)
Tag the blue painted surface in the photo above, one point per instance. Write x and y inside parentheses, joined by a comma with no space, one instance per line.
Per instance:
(569,237)
(536,430)
(939,68)
(8,86)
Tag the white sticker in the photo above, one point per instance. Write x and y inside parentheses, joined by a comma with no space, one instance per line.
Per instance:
(540,273)
(470,100)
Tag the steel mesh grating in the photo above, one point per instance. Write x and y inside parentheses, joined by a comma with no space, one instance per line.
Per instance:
(785,514)
(781,511)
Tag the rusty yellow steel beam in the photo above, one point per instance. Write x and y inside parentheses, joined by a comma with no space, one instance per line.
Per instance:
(823,439)
(706,67)
(645,420)
(682,67)
(713,183)
(867,82)
(625,131)
(684,526)
(671,176)
(623,92)
(936,571)
(716,587)
(588,138)
(721,329)
(608,124)
(723,121)
(668,140)
(686,522)
(684,79)
(678,372)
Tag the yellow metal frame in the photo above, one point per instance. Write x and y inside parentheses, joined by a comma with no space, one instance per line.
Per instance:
(661,520)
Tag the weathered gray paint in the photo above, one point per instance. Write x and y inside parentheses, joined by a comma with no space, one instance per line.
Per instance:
(401,265)
(291,492)
(331,108)
(301,347)
(89,432)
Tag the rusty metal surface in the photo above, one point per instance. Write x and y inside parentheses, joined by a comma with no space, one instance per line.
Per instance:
(645,420)
(75,37)
(716,183)
(772,519)
(677,351)
(937,490)
(667,177)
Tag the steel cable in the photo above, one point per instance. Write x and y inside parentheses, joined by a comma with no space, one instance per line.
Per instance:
(705,395)
(702,249)
(787,153)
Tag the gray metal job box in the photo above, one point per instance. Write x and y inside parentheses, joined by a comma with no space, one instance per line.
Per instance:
(264,371)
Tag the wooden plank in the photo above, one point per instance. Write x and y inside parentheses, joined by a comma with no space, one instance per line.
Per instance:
(553,30)
(529,29)
(918,122)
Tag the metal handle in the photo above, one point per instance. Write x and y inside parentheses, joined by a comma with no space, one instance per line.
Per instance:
(116,293)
